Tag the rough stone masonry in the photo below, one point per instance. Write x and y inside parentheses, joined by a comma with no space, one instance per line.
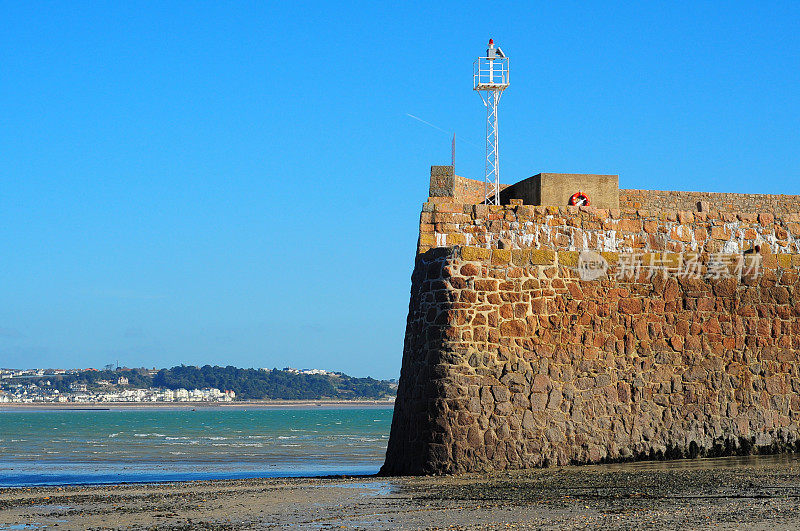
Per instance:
(682,341)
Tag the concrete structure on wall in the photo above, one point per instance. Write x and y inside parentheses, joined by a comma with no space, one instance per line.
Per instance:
(548,334)
(555,189)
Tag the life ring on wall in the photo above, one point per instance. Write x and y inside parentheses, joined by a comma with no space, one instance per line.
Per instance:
(579,199)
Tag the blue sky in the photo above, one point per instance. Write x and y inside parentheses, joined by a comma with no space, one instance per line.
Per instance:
(239,183)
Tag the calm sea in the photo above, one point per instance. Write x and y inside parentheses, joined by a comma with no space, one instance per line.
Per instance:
(59,447)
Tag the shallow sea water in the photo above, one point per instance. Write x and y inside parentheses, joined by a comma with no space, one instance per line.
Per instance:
(59,447)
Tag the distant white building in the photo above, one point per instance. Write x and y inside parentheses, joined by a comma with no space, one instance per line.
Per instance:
(316,371)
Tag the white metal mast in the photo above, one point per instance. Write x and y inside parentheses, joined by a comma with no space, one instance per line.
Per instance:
(490,76)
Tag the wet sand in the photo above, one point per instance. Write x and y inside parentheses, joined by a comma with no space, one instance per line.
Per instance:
(728,493)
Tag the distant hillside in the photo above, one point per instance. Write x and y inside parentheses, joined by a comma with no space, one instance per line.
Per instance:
(248,384)
(274,384)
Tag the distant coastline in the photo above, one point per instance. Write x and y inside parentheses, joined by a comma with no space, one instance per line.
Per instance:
(186,383)
(241,404)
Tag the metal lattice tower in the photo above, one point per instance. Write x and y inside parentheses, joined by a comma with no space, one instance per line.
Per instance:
(490,79)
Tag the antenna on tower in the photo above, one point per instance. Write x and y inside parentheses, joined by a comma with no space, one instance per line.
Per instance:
(490,79)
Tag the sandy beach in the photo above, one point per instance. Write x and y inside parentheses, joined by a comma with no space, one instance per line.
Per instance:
(727,493)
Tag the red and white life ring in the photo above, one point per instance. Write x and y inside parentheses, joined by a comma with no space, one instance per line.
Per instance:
(579,199)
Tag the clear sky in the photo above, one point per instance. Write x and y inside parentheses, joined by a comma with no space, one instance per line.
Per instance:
(240,183)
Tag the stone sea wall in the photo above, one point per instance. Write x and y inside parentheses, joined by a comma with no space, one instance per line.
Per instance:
(724,202)
(446,184)
(444,223)
(512,361)
(544,335)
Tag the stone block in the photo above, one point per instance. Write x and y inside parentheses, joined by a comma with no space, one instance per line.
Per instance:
(568,258)
(427,239)
(485,285)
(630,306)
(542,256)
(501,256)
(470,270)
(610,257)
(521,257)
(456,239)
(630,225)
(681,233)
(720,233)
(513,328)
(475,254)
(541,383)
(442,182)
(449,207)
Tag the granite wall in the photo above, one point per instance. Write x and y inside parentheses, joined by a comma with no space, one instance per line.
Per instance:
(446,223)
(723,202)
(555,335)
(511,360)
